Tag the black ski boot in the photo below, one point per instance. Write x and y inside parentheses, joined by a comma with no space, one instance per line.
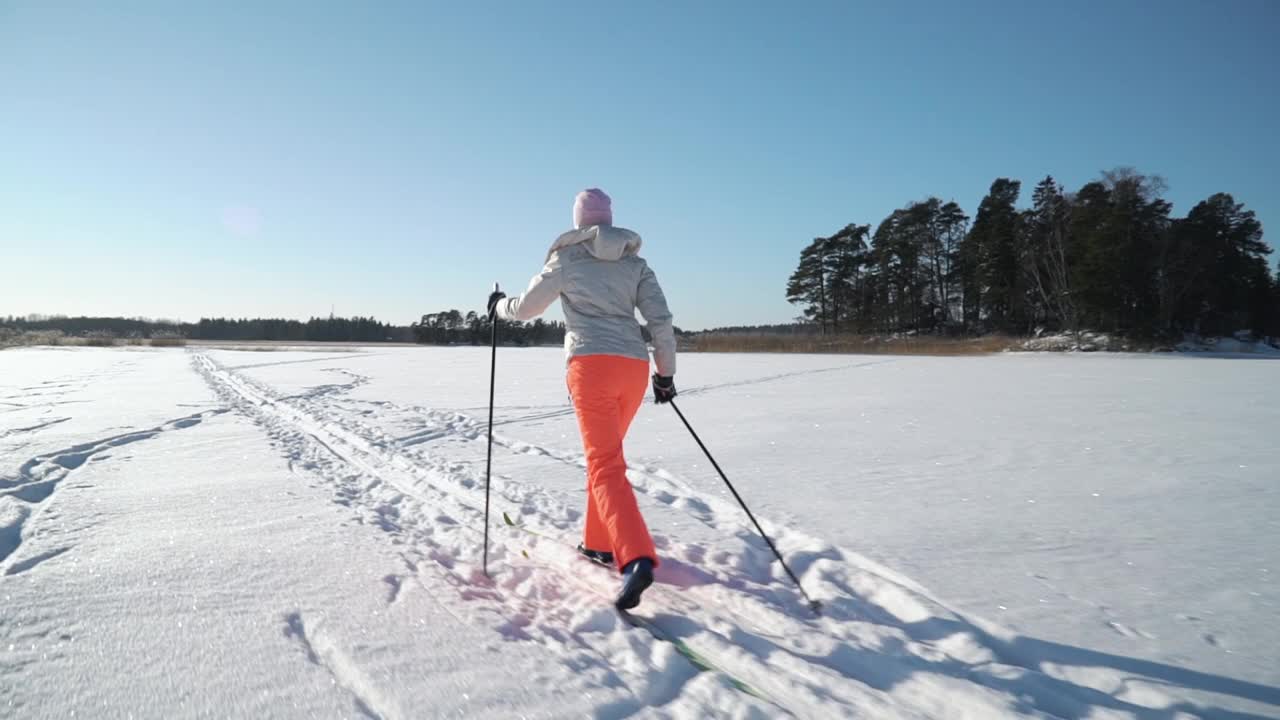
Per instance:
(637,576)
(602,557)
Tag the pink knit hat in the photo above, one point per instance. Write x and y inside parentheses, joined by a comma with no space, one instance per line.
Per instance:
(592,207)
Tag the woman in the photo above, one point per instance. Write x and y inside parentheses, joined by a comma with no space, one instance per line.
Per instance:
(601,281)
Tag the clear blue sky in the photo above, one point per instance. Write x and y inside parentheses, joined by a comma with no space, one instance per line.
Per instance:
(390,159)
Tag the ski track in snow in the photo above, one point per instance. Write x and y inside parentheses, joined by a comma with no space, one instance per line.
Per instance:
(22,496)
(565,411)
(880,631)
(701,389)
(1107,617)
(33,428)
(406,500)
(321,651)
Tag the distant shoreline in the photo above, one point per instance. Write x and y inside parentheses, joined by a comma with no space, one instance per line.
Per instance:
(754,345)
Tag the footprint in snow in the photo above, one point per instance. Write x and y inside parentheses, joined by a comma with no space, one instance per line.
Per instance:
(1213,640)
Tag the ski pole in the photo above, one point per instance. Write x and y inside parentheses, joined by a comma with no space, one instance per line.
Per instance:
(814,605)
(488,465)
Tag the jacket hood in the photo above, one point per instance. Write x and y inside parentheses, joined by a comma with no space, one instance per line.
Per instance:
(604,242)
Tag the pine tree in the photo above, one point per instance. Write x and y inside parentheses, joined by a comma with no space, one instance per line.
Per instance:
(844,262)
(1230,294)
(897,256)
(1273,330)
(994,248)
(952,225)
(1050,254)
(1121,225)
(808,284)
(935,230)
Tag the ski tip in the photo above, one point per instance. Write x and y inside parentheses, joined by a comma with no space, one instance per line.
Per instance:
(507,519)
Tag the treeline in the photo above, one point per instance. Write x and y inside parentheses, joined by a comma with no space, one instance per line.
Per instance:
(451,327)
(798,329)
(330,329)
(84,326)
(1109,256)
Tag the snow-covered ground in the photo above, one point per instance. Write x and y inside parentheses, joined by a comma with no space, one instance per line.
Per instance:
(208,532)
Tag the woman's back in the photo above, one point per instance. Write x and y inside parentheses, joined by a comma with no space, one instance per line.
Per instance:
(601,280)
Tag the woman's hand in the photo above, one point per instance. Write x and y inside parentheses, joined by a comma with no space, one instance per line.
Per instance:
(664,389)
(493,301)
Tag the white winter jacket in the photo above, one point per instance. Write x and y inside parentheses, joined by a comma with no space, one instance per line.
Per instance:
(601,281)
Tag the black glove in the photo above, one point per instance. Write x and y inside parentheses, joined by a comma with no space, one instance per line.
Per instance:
(664,389)
(493,300)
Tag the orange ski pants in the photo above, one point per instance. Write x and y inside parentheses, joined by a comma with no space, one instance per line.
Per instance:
(607,391)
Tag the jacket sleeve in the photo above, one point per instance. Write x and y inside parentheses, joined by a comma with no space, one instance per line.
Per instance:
(653,306)
(543,290)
